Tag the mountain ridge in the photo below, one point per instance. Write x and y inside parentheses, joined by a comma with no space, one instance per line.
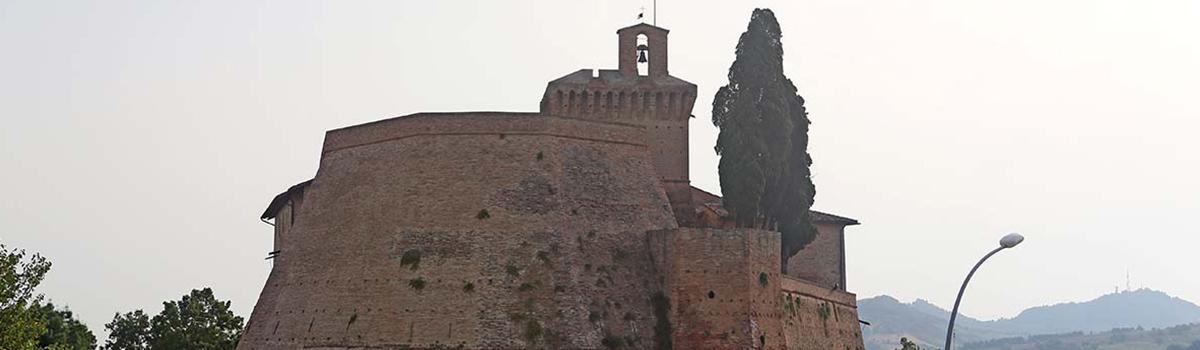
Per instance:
(925,322)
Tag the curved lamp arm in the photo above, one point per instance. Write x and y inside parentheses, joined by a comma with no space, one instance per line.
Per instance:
(1009,241)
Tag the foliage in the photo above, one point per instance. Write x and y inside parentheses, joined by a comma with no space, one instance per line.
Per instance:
(63,330)
(662,320)
(417,283)
(130,331)
(468,287)
(906,344)
(483,214)
(197,321)
(20,325)
(763,279)
(763,139)
(533,330)
(612,342)
(411,258)
(1195,346)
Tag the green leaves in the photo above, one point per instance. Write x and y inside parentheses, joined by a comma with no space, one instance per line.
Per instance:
(129,331)
(63,331)
(20,324)
(197,321)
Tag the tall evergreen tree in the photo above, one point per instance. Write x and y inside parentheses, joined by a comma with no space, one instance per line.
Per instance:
(763,141)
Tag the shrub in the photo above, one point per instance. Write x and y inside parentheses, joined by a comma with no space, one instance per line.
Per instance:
(533,330)
(417,283)
(411,258)
(612,342)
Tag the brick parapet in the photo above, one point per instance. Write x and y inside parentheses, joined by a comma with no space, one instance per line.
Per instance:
(482,123)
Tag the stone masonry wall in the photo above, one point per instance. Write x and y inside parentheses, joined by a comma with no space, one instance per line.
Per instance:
(472,230)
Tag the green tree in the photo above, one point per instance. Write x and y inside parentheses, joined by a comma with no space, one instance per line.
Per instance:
(63,331)
(197,321)
(763,140)
(129,331)
(20,326)
(906,344)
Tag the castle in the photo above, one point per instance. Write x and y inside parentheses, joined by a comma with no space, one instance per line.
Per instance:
(572,228)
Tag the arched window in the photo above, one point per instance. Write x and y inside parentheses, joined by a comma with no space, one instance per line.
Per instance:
(643,52)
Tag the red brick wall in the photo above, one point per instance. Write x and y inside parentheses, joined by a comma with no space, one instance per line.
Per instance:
(817,318)
(713,279)
(568,205)
(821,261)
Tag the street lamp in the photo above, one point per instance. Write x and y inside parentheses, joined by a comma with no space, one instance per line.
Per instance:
(1008,241)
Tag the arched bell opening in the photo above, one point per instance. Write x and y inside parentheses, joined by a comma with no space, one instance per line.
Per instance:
(643,53)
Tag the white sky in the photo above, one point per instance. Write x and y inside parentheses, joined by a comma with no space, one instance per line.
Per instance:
(142,139)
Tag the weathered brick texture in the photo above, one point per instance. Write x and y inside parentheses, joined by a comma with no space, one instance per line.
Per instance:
(561,247)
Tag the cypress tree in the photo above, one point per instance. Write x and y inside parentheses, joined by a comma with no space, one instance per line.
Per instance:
(763,142)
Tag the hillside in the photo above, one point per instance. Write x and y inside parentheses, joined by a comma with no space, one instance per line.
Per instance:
(1185,337)
(925,323)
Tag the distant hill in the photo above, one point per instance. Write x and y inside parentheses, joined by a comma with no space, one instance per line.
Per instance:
(925,323)
(1185,337)
(919,321)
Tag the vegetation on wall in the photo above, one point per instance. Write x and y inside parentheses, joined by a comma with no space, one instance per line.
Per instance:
(763,140)
(662,321)
(411,258)
(417,283)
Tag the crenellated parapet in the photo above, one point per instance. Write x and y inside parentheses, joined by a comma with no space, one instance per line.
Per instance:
(640,92)
(606,95)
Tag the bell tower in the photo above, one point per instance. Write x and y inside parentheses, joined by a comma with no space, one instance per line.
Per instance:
(652,99)
(630,52)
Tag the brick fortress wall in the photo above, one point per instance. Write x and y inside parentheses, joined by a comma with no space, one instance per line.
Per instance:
(726,292)
(530,232)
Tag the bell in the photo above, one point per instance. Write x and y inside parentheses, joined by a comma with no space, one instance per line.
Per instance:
(641,56)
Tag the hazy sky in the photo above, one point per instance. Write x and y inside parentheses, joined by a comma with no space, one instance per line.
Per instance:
(142,139)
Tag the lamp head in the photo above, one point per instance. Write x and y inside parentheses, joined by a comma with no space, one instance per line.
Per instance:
(1011,240)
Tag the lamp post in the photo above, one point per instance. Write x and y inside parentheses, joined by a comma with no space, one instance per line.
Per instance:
(1008,241)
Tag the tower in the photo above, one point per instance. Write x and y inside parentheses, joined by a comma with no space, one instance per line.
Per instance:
(646,96)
